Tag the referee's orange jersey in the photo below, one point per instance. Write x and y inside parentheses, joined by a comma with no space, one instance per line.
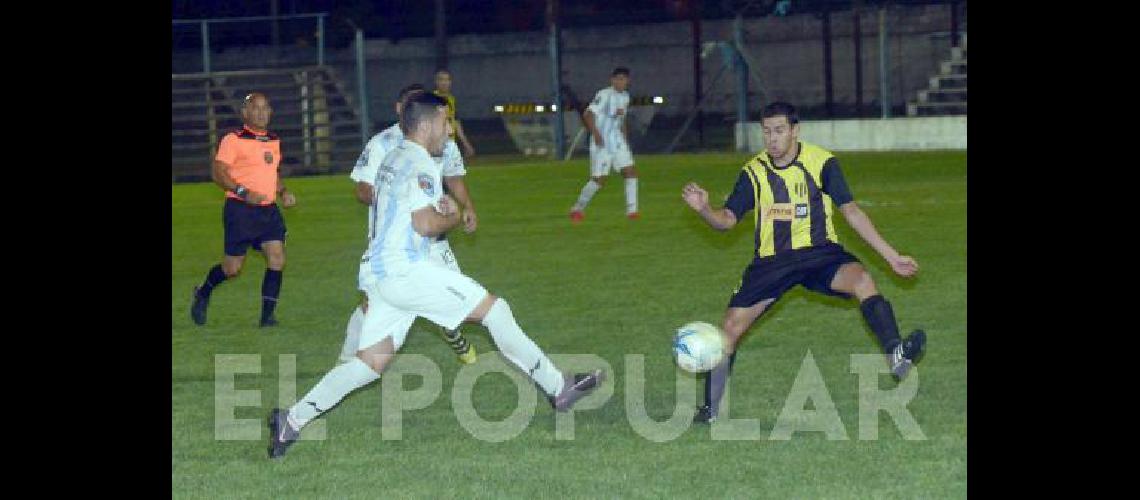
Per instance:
(253,159)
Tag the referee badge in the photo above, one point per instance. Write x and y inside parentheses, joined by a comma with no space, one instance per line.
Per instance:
(269,157)
(426,184)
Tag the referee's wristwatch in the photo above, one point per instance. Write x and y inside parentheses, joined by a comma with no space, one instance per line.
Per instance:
(241,191)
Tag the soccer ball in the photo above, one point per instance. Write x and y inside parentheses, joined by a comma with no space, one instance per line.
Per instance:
(698,347)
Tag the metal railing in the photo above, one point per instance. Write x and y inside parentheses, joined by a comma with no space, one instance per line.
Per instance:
(205,31)
(318,123)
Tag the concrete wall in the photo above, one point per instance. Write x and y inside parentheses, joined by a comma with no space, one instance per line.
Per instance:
(491,69)
(892,134)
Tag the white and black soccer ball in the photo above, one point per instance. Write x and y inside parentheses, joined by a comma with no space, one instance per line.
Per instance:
(698,347)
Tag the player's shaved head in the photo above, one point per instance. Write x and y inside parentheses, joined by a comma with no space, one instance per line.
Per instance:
(255,111)
(250,97)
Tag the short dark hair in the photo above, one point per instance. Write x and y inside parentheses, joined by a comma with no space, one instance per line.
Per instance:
(442,70)
(415,87)
(620,70)
(780,108)
(419,107)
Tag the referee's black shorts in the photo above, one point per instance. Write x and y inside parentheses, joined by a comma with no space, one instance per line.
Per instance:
(249,225)
(770,277)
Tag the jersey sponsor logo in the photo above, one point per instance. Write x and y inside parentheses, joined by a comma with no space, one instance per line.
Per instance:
(780,211)
(269,157)
(801,210)
(426,184)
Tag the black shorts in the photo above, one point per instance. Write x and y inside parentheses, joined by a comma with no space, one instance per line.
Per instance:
(248,225)
(771,277)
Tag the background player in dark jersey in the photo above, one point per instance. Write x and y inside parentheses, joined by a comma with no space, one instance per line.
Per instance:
(790,187)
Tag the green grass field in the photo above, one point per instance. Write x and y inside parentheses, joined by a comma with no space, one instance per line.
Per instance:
(609,287)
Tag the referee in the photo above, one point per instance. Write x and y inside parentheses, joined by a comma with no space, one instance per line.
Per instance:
(790,187)
(246,169)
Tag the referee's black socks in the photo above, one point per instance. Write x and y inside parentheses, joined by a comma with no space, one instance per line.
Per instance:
(213,278)
(270,289)
(881,318)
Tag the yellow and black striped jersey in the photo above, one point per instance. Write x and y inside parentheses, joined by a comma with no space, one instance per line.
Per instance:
(793,204)
(450,98)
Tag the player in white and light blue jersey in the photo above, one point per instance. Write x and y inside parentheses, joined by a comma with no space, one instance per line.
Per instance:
(412,209)
(364,174)
(609,149)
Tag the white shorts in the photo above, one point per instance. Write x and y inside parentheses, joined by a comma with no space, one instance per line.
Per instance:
(605,159)
(440,251)
(429,290)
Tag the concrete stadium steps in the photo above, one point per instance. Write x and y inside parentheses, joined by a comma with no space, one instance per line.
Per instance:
(318,122)
(947,92)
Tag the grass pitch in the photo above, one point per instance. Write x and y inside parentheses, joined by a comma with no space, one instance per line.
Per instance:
(609,287)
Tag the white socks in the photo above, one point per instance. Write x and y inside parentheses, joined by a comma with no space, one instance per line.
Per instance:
(631,195)
(352,336)
(335,385)
(588,192)
(520,349)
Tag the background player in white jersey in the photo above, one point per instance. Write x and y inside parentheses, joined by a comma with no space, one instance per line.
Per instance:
(402,283)
(364,173)
(605,118)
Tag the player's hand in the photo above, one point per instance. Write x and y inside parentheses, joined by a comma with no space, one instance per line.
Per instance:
(288,199)
(255,198)
(470,221)
(447,205)
(695,197)
(904,265)
(598,141)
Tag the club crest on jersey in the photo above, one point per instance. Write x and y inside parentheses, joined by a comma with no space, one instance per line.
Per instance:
(426,184)
(268,157)
(801,210)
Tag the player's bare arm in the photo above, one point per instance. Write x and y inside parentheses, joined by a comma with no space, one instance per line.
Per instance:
(588,117)
(458,188)
(698,200)
(429,222)
(288,199)
(221,175)
(904,265)
(364,193)
(467,147)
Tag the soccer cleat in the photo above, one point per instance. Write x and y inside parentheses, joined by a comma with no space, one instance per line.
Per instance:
(903,355)
(633,215)
(281,434)
(270,321)
(468,357)
(198,308)
(577,216)
(463,349)
(704,415)
(575,388)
